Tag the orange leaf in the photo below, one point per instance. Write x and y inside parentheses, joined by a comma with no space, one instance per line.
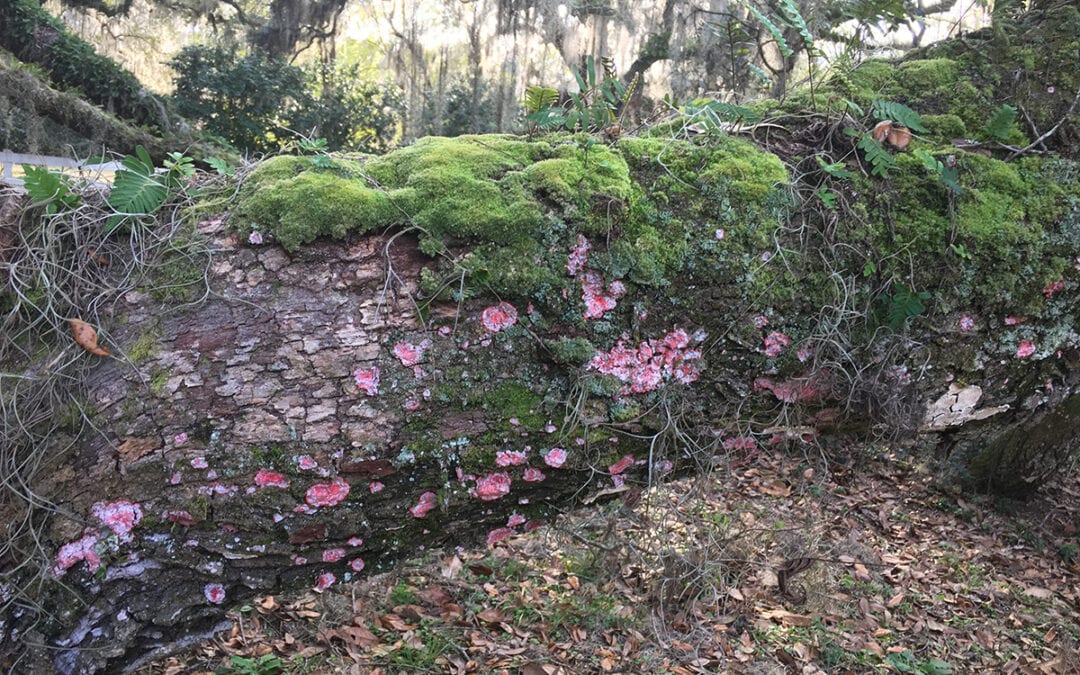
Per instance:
(86,337)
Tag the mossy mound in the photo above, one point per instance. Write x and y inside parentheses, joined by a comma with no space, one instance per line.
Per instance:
(507,210)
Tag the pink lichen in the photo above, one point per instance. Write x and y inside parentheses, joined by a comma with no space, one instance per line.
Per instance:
(428,501)
(760,321)
(645,367)
(327,494)
(182,518)
(332,555)
(375,487)
(599,301)
(499,317)
(121,517)
(445,330)
(622,465)
(550,428)
(804,388)
(367,380)
(775,343)
(180,438)
(306,463)
(199,463)
(215,593)
(966,324)
(515,519)
(1053,288)
(176,478)
(267,478)
(492,486)
(510,458)
(532,475)
(411,405)
(555,458)
(410,354)
(575,262)
(720,233)
(357,565)
(1025,349)
(1014,320)
(355,541)
(255,238)
(324,581)
(498,534)
(80,549)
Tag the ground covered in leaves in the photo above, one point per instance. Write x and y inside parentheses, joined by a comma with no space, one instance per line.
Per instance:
(771,564)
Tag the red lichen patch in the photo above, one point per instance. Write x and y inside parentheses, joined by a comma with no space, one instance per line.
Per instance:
(532,475)
(499,317)
(411,405)
(804,354)
(306,463)
(367,380)
(1025,349)
(645,367)
(1053,288)
(410,354)
(199,463)
(1014,320)
(515,519)
(428,501)
(760,321)
(775,343)
(267,478)
(121,517)
(73,552)
(599,301)
(498,534)
(324,581)
(510,458)
(357,565)
(180,438)
(327,494)
(492,486)
(806,388)
(555,458)
(215,593)
(966,324)
(332,555)
(578,256)
(182,518)
(299,560)
(622,465)
(375,487)
(355,541)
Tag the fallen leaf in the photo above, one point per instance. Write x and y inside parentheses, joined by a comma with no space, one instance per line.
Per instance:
(492,616)
(86,337)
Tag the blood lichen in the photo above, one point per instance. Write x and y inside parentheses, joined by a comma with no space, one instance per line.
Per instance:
(410,354)
(532,475)
(775,343)
(367,380)
(622,465)
(510,458)
(498,534)
(492,486)
(121,517)
(499,317)
(214,593)
(267,478)
(80,549)
(324,581)
(1025,349)
(357,565)
(332,555)
(327,494)
(555,458)
(427,502)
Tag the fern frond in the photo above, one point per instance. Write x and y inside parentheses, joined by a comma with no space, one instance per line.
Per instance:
(880,160)
(774,31)
(538,98)
(1000,123)
(899,113)
(795,20)
(136,189)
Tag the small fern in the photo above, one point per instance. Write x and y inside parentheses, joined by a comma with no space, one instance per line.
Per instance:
(795,20)
(904,304)
(137,190)
(774,31)
(538,98)
(881,162)
(949,176)
(1000,123)
(899,113)
(712,113)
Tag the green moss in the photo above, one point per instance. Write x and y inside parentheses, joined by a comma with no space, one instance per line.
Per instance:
(158,381)
(871,77)
(945,127)
(925,75)
(571,351)
(144,347)
(515,400)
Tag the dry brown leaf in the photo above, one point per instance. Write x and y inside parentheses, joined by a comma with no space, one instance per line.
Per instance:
(86,337)
(358,635)
(451,567)
(492,615)
(573,582)
(775,487)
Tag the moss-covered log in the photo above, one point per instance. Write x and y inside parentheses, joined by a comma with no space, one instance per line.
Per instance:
(447,344)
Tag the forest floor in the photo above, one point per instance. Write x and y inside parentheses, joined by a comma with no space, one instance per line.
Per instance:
(771,566)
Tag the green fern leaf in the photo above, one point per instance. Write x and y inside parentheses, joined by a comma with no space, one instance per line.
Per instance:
(1000,123)
(774,31)
(136,189)
(899,113)
(795,20)
(880,160)
(538,98)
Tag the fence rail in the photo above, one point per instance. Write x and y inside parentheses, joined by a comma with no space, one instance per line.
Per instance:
(8,160)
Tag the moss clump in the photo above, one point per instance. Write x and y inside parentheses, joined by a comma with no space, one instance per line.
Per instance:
(144,347)
(571,351)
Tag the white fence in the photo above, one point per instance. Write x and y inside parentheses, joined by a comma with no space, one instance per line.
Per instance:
(8,160)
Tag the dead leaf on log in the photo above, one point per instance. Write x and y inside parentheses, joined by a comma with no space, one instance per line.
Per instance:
(86,337)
